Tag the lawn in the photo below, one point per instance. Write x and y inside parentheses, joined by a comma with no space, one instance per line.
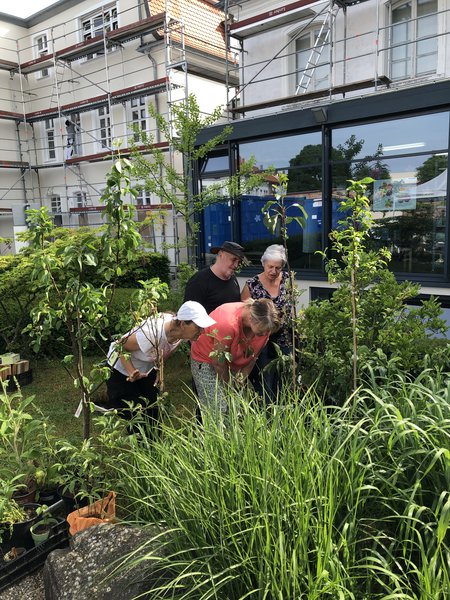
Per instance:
(56,396)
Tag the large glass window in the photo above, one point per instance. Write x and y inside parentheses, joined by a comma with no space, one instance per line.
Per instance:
(406,157)
(299,156)
(414,45)
(408,161)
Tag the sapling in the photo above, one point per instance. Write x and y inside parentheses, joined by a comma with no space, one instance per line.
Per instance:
(277,218)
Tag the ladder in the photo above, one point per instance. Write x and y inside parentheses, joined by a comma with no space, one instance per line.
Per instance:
(320,42)
(58,77)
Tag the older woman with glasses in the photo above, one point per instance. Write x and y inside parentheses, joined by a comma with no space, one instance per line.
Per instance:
(271,284)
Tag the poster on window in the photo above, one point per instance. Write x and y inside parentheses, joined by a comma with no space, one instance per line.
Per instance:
(391,194)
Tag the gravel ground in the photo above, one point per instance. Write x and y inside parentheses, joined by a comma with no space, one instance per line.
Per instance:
(29,588)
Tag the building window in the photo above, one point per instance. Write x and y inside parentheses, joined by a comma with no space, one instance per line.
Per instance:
(139,116)
(55,204)
(97,23)
(41,49)
(413,43)
(408,160)
(104,122)
(55,207)
(50,139)
(312,60)
(144,197)
(80,199)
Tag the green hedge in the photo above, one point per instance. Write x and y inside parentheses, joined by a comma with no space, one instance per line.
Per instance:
(16,298)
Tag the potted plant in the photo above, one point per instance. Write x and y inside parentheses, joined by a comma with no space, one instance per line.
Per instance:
(23,438)
(40,530)
(15,521)
(84,470)
(14,553)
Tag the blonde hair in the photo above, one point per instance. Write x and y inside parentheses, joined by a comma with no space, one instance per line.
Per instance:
(264,314)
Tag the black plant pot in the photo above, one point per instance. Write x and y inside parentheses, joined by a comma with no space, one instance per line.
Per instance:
(25,495)
(21,536)
(48,496)
(71,503)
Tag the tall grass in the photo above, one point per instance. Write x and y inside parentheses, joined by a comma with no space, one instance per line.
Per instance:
(306,502)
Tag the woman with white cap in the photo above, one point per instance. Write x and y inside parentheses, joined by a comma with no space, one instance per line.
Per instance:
(136,358)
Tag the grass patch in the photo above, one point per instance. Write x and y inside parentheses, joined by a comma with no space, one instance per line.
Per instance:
(57,398)
(309,501)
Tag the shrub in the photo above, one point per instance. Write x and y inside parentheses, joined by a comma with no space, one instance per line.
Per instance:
(144,266)
(366,322)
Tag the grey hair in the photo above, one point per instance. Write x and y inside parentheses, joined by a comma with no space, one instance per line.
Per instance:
(274,252)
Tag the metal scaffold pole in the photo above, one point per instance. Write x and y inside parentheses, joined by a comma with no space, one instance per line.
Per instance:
(177,92)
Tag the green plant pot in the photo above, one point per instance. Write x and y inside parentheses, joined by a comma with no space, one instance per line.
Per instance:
(40,531)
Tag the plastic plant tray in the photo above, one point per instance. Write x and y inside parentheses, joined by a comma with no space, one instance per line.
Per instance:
(12,571)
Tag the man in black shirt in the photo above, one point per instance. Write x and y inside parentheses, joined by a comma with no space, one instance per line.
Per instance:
(217,284)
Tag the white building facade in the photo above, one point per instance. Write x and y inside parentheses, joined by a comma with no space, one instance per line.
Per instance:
(77,77)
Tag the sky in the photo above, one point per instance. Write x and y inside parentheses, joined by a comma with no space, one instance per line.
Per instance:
(24,8)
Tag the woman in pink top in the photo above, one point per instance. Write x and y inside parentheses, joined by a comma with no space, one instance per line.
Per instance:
(230,346)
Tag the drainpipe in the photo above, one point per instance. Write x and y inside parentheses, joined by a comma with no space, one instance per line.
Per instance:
(21,160)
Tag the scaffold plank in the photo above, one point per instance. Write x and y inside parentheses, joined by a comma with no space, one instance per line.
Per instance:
(339,89)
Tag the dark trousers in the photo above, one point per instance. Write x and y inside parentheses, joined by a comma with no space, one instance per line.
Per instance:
(268,383)
(139,393)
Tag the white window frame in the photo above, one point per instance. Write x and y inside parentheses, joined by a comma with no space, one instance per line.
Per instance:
(55,203)
(41,47)
(50,139)
(144,198)
(138,111)
(96,23)
(315,83)
(79,199)
(104,138)
(411,49)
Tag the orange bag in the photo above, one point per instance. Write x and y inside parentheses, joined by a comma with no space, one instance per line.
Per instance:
(102,511)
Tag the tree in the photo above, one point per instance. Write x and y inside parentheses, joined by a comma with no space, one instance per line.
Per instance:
(163,179)
(309,176)
(76,305)
(366,325)
(276,218)
(431,168)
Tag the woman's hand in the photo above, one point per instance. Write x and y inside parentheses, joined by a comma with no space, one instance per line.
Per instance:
(135,375)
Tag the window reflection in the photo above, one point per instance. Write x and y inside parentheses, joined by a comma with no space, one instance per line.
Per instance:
(408,204)
(278,152)
(424,133)
(301,158)
(216,217)
(302,243)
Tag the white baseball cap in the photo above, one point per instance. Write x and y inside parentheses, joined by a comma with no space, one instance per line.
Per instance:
(194,311)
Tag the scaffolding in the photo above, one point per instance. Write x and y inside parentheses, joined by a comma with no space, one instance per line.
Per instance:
(353,60)
(74,99)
